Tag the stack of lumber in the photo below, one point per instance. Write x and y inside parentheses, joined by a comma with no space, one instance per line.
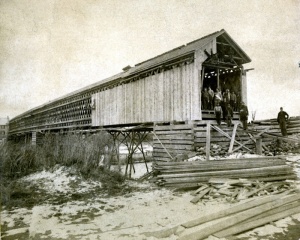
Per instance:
(191,174)
(238,189)
(235,219)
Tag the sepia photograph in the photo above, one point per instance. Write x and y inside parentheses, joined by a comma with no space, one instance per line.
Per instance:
(150,119)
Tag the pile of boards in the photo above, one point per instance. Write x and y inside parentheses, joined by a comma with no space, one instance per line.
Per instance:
(191,174)
(234,190)
(236,219)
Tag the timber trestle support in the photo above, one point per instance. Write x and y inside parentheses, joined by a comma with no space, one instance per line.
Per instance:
(133,139)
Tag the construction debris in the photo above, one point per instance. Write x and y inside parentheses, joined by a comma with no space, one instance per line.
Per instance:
(234,190)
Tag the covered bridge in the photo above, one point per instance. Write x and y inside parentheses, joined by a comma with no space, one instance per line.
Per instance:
(164,89)
(157,94)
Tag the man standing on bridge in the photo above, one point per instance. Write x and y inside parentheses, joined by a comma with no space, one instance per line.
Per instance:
(282,119)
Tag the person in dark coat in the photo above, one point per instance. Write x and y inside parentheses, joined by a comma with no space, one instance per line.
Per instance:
(244,115)
(218,112)
(226,101)
(211,98)
(233,100)
(229,115)
(205,99)
(282,118)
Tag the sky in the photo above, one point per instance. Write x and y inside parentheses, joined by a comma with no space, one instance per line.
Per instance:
(50,48)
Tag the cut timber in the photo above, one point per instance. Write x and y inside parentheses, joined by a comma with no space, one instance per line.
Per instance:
(257,135)
(208,141)
(233,137)
(237,218)
(239,172)
(163,145)
(200,195)
(282,212)
(199,189)
(249,194)
(226,135)
(229,211)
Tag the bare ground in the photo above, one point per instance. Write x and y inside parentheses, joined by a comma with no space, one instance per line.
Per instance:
(60,204)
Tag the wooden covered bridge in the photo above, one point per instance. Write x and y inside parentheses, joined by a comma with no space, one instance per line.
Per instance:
(161,95)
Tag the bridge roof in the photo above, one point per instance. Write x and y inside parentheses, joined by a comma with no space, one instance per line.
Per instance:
(155,61)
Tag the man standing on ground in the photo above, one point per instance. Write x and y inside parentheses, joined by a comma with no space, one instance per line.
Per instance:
(282,119)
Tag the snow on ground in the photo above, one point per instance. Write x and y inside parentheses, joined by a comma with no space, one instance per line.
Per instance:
(126,217)
(60,179)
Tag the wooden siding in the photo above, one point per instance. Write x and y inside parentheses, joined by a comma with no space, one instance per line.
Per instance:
(171,95)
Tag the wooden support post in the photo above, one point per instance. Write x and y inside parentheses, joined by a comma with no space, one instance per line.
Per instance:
(142,151)
(227,135)
(208,141)
(259,146)
(243,145)
(233,137)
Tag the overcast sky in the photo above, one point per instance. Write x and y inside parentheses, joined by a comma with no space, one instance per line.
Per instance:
(49,48)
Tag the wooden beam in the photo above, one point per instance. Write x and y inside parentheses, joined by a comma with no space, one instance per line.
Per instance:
(163,146)
(237,218)
(208,140)
(280,213)
(227,135)
(233,137)
(258,146)
(257,135)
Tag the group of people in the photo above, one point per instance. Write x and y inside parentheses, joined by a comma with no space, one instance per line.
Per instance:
(228,114)
(225,103)
(210,98)
(282,117)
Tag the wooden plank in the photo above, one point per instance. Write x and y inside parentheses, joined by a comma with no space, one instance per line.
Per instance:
(281,212)
(239,217)
(271,170)
(207,141)
(176,137)
(178,147)
(173,127)
(257,135)
(163,146)
(232,138)
(160,100)
(220,167)
(200,195)
(174,132)
(174,142)
(226,135)
(233,160)
(229,211)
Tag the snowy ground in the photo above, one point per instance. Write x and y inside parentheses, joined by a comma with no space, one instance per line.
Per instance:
(99,216)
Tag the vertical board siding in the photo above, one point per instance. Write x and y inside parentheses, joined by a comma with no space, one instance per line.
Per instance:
(170,95)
